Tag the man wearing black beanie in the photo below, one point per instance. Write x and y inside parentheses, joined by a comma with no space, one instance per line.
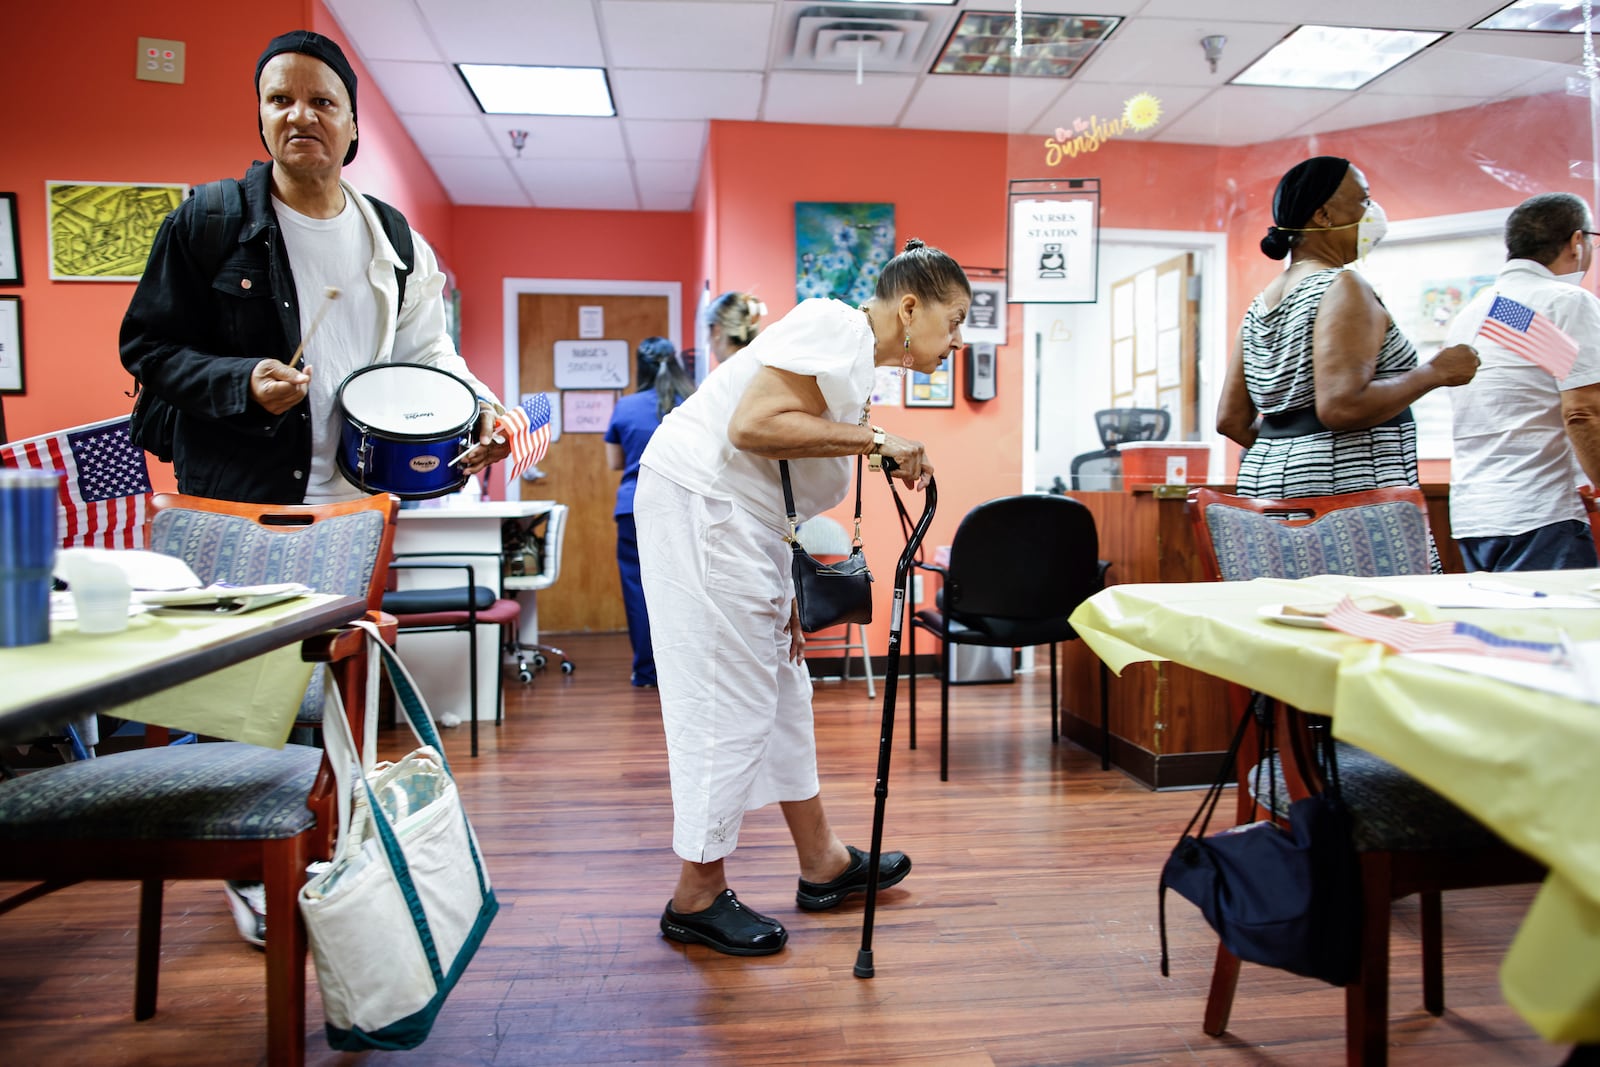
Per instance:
(247,277)
(261,296)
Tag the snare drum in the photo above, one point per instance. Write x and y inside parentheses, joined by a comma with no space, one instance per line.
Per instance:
(402,425)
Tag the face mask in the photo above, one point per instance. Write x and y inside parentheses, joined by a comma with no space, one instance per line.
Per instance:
(1372,228)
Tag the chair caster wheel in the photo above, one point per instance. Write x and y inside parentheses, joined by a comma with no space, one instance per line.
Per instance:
(525,675)
(567,667)
(539,661)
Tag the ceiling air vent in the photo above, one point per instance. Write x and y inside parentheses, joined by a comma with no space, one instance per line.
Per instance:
(881,39)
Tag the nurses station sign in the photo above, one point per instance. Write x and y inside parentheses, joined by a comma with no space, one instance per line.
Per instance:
(1053,241)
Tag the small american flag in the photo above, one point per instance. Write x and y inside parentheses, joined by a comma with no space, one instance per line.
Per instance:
(105,496)
(1403,635)
(1530,335)
(527,429)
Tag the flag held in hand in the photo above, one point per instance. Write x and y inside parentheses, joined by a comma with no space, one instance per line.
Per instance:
(1522,330)
(527,429)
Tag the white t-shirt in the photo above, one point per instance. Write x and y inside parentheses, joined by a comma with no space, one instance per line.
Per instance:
(1514,469)
(824,339)
(331,253)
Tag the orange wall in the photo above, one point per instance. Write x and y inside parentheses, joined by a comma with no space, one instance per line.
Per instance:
(500,243)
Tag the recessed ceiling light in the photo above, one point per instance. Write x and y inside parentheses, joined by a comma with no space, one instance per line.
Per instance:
(514,90)
(1551,16)
(1053,46)
(1333,57)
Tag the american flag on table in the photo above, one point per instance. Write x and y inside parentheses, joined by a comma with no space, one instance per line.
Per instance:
(527,429)
(1403,635)
(104,498)
(1530,335)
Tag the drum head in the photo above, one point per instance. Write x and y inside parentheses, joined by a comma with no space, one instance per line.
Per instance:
(404,400)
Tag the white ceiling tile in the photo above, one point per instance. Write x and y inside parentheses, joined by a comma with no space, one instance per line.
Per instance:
(1550,47)
(1553,80)
(672,176)
(479,181)
(385,29)
(449,135)
(424,89)
(1439,71)
(704,36)
(661,94)
(1167,51)
(544,33)
(1247,114)
(836,99)
(561,137)
(1413,14)
(578,184)
(1366,109)
(657,200)
(665,139)
(978,103)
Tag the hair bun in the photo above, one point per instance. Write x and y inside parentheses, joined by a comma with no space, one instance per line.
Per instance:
(912,244)
(1275,245)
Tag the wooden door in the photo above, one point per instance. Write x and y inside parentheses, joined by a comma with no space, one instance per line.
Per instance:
(1154,344)
(588,595)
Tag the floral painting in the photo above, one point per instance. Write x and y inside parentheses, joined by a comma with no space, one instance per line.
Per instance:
(841,248)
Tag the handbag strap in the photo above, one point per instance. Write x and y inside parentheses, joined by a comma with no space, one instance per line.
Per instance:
(342,755)
(788,506)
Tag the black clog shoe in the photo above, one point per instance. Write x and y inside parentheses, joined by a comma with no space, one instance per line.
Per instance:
(727,926)
(820,896)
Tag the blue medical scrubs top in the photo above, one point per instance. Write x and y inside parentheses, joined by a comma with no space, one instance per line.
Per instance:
(633,421)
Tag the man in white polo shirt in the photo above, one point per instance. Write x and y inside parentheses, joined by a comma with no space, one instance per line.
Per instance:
(1524,441)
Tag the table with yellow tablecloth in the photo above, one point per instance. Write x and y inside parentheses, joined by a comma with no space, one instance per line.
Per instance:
(1523,761)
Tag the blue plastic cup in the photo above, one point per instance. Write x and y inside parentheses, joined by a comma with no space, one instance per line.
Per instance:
(28,543)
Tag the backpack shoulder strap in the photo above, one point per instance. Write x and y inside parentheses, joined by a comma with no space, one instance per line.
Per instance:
(214,227)
(398,230)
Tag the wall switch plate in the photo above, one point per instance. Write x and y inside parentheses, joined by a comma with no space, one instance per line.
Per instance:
(160,61)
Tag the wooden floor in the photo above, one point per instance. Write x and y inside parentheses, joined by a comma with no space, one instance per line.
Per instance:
(1025,935)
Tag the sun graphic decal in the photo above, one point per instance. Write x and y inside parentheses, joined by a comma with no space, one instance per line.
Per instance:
(1141,111)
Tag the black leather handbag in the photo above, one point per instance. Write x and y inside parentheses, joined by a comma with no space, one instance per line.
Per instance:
(1283,897)
(828,594)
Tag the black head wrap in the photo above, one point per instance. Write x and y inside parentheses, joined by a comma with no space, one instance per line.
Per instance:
(308,43)
(1300,192)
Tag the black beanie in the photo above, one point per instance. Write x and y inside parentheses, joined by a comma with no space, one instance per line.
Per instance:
(1300,192)
(316,46)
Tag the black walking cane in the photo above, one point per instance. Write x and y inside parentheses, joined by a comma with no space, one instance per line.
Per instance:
(902,580)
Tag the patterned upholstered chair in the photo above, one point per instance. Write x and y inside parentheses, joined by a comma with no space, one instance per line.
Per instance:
(1018,567)
(212,811)
(1410,839)
(242,544)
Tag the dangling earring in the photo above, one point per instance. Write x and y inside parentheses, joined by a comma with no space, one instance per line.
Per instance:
(905,360)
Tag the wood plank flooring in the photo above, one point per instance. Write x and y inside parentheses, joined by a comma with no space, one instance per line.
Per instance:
(1024,936)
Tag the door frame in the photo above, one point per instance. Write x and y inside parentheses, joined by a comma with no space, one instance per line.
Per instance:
(1211,254)
(513,288)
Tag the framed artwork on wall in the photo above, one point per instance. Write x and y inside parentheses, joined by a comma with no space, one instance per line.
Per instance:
(102,232)
(11,380)
(10,241)
(936,390)
(840,249)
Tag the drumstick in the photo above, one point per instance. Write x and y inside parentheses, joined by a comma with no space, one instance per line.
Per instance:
(330,293)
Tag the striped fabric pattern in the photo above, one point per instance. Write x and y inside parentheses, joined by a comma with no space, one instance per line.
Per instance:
(105,485)
(1278,374)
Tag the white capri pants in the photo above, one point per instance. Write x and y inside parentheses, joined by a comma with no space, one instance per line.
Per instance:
(737,711)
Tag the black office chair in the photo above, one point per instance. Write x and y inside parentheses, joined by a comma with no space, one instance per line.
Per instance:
(1103,470)
(1018,567)
(1117,425)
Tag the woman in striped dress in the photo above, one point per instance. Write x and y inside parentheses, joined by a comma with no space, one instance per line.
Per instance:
(1321,381)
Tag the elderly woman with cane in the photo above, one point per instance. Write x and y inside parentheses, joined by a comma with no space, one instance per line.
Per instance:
(735,693)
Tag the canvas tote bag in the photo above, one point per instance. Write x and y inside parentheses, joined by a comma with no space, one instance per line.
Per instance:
(396,916)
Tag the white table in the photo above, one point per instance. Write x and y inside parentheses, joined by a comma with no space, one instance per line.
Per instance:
(437,659)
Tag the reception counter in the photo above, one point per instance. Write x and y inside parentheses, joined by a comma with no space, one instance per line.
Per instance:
(1170,725)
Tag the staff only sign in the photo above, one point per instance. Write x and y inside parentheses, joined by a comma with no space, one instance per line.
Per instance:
(1053,241)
